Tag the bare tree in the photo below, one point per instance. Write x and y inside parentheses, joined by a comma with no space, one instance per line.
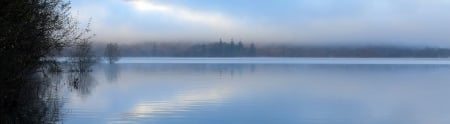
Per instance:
(83,57)
(112,52)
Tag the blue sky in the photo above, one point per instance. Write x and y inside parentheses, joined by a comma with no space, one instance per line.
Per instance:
(411,22)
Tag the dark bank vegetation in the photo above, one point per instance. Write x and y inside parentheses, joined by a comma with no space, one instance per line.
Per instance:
(32,34)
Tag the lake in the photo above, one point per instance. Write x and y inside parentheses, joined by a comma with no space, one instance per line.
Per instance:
(262,91)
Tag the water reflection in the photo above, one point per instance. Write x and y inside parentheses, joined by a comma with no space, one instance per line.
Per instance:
(81,82)
(249,93)
(112,72)
(186,101)
(37,97)
(33,99)
(236,93)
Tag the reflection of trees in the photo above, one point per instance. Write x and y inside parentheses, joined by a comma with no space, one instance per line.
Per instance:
(31,100)
(220,69)
(36,98)
(112,72)
(81,82)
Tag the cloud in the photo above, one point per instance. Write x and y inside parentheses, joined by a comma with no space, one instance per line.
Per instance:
(295,21)
(214,20)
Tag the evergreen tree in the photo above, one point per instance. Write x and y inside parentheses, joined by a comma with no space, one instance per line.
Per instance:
(232,48)
(221,48)
(154,51)
(240,48)
(252,50)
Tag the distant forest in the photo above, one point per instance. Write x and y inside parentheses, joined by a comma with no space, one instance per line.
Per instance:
(240,49)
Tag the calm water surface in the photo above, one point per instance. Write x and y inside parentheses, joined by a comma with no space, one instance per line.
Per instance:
(245,93)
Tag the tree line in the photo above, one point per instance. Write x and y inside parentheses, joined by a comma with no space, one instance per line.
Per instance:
(241,49)
(213,49)
(219,49)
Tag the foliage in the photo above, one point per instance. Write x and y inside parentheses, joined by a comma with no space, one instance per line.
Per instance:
(31,31)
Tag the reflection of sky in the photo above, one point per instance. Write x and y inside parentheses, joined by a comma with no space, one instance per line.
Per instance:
(199,93)
(421,22)
(180,103)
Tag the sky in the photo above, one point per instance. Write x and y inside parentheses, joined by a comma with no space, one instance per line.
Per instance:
(407,22)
